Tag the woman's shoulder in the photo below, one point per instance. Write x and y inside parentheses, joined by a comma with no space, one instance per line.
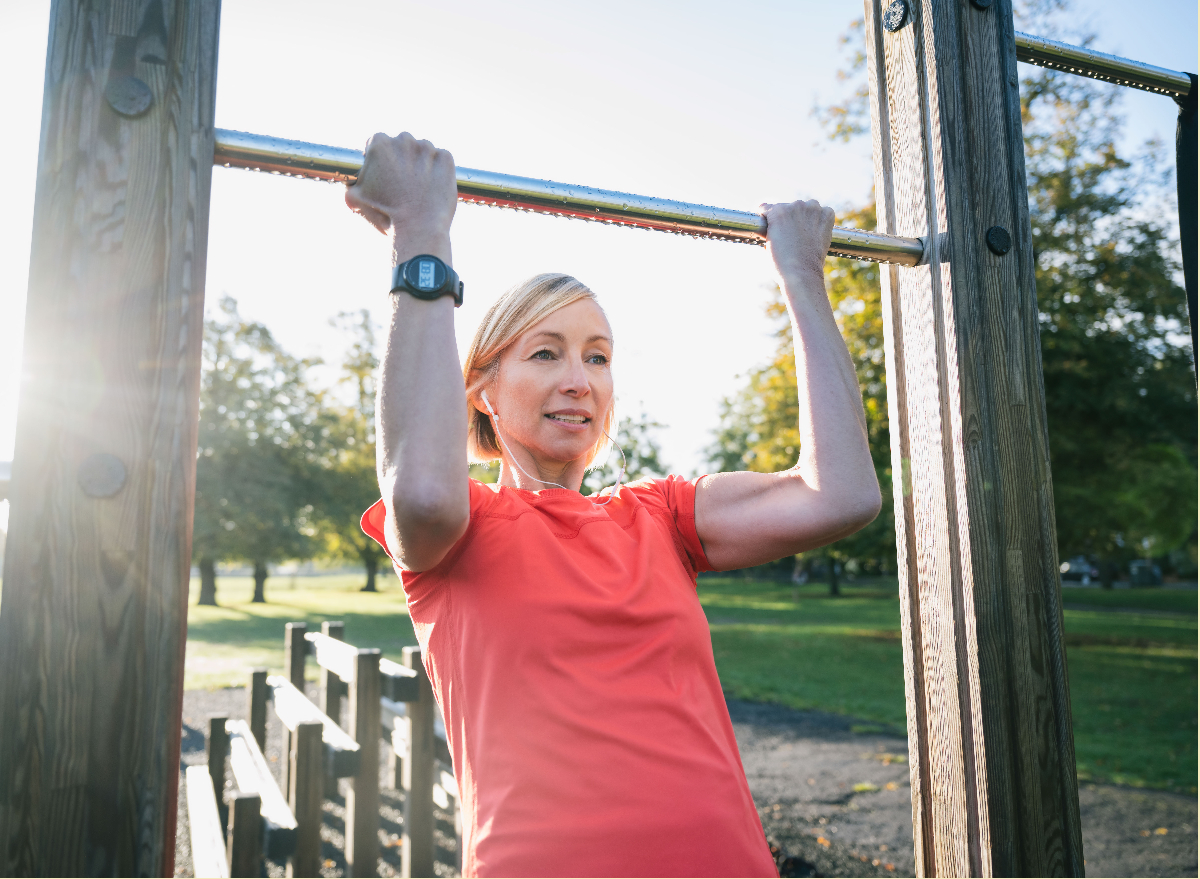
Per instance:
(673,492)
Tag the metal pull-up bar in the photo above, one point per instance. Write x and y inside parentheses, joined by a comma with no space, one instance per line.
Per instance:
(1100,65)
(238,149)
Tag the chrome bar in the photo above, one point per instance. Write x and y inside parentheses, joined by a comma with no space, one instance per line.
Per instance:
(238,149)
(1099,65)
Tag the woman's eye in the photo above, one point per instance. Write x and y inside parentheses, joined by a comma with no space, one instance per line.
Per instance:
(544,354)
(598,359)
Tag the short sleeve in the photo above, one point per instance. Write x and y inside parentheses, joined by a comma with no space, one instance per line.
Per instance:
(372,522)
(679,497)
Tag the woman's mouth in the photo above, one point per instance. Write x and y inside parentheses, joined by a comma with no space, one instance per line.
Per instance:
(563,418)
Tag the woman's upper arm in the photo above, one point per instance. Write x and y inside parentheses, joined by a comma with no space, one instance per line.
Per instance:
(746,518)
(421,528)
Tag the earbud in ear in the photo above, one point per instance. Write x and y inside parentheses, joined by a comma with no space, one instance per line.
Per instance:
(491,411)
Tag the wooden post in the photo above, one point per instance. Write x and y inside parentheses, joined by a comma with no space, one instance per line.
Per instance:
(217,750)
(304,796)
(331,695)
(416,858)
(245,837)
(362,800)
(994,790)
(258,706)
(295,651)
(94,611)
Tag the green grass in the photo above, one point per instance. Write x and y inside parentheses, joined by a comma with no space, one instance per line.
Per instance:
(1133,675)
(226,642)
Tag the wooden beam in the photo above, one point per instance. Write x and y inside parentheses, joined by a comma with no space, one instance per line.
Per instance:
(244,838)
(417,774)
(362,800)
(252,775)
(294,708)
(258,706)
(304,796)
(204,822)
(989,718)
(94,611)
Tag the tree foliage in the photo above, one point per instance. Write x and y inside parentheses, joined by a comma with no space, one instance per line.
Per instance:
(1118,373)
(256,421)
(346,480)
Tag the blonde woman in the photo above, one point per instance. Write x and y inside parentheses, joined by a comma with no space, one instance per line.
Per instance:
(566,645)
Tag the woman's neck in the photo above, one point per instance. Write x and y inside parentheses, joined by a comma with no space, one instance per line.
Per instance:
(534,475)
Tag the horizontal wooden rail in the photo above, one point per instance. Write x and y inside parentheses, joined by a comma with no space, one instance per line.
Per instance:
(204,819)
(252,775)
(336,656)
(342,754)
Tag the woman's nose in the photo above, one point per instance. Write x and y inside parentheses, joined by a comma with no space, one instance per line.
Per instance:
(574,380)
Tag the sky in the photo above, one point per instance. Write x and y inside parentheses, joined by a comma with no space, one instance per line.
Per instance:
(707,102)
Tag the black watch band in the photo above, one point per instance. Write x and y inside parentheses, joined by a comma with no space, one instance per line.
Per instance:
(427,277)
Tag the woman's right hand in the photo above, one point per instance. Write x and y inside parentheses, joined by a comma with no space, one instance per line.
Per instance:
(407,188)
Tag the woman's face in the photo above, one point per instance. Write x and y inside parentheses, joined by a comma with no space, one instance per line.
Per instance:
(554,386)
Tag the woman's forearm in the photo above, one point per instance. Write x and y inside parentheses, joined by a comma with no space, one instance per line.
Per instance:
(407,190)
(422,419)
(835,458)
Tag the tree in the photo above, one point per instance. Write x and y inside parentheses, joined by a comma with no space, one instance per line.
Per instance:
(255,414)
(636,438)
(345,476)
(1120,385)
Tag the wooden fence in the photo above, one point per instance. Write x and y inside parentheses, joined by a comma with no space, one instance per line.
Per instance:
(388,701)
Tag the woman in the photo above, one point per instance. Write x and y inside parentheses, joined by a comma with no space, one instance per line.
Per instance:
(562,633)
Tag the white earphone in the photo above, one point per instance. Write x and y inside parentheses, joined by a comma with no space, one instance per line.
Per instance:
(495,417)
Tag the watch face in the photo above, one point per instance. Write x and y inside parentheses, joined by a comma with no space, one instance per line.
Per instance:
(426,274)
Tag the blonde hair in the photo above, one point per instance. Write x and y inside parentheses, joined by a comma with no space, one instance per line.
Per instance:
(511,315)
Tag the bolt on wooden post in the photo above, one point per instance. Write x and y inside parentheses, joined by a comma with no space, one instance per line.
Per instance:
(94,609)
(993,764)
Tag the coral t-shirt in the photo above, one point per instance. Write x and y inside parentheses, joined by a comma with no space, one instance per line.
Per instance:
(574,669)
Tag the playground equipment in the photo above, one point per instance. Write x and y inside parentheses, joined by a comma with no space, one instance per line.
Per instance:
(387,700)
(95,583)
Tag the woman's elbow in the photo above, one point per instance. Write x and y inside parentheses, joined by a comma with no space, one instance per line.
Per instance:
(430,507)
(861,507)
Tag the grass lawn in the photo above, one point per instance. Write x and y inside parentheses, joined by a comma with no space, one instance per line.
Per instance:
(1133,674)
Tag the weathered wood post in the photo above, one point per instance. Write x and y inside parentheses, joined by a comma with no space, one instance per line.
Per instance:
(330,697)
(362,800)
(416,858)
(994,790)
(92,626)
(244,838)
(304,796)
(258,706)
(295,651)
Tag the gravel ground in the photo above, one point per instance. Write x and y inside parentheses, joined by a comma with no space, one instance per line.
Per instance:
(832,793)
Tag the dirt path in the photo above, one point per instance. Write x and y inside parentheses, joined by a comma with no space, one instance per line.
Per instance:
(832,792)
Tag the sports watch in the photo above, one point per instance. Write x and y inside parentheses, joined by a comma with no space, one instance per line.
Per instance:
(427,277)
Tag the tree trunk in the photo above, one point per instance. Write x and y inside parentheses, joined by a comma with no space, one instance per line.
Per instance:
(372,565)
(260,583)
(834,590)
(208,582)
(1106,574)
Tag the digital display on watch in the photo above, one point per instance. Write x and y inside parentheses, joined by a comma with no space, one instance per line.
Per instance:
(426,274)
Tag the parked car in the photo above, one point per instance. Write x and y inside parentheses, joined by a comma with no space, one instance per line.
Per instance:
(1144,572)
(1079,568)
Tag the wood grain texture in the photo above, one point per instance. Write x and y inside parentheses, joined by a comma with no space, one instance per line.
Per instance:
(417,776)
(304,797)
(92,625)
(993,769)
(204,823)
(362,799)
